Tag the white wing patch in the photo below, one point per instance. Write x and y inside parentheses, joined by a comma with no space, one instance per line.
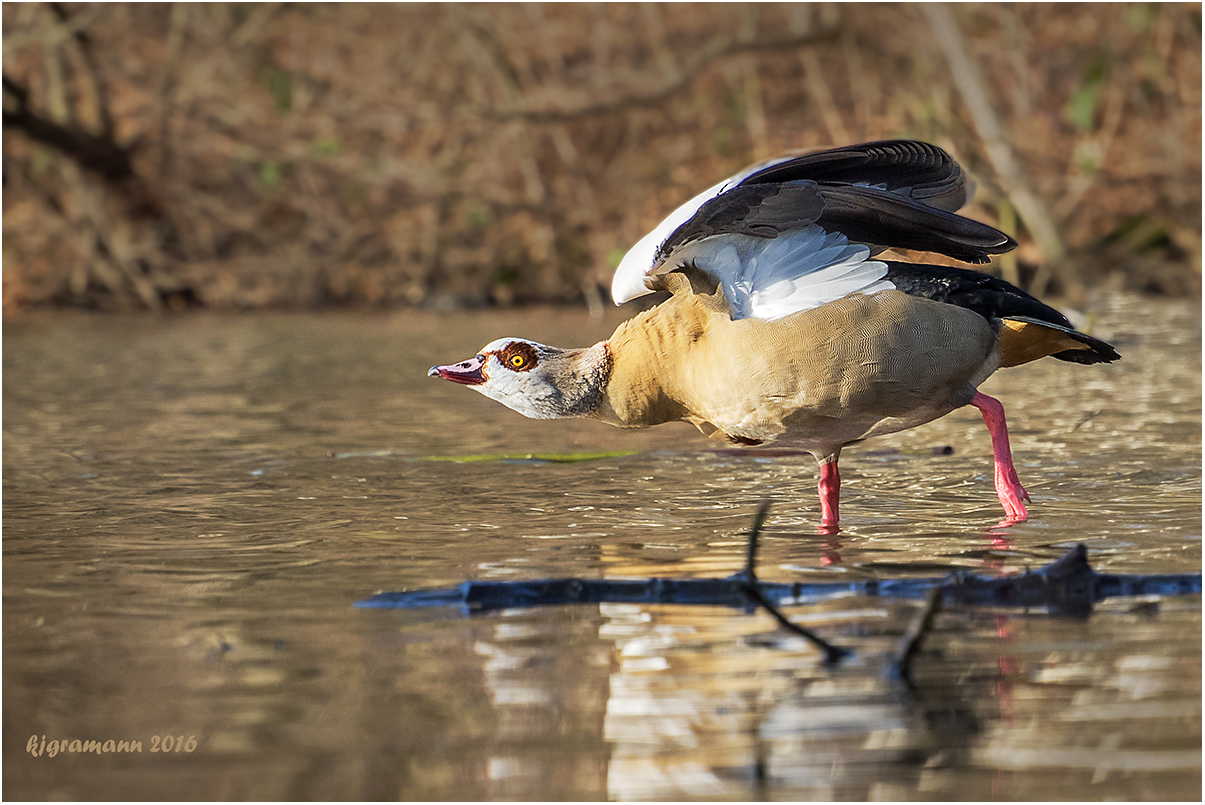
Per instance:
(628,282)
(800,270)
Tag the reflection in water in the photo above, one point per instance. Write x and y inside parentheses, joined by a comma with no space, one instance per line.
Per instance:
(703,705)
(192,505)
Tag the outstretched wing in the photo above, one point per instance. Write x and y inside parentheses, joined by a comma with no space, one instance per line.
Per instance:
(917,170)
(800,231)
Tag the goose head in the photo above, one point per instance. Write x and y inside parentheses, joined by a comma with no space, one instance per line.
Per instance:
(537,380)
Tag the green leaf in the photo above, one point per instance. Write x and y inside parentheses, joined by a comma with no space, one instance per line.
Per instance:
(1081,108)
(476,215)
(41,161)
(279,85)
(1139,16)
(328,146)
(269,174)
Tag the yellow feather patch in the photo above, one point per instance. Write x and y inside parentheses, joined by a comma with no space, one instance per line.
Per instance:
(1022,341)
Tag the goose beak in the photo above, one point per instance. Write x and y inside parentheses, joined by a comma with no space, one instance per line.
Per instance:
(467,373)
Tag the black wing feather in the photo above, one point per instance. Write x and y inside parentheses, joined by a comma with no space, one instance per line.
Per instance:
(993,298)
(879,217)
(990,297)
(761,211)
(927,173)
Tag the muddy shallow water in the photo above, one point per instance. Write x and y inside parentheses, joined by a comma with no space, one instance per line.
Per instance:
(193,505)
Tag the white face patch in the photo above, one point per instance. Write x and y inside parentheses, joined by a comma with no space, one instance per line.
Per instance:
(517,375)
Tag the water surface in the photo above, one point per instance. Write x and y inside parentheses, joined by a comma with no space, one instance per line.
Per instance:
(192,505)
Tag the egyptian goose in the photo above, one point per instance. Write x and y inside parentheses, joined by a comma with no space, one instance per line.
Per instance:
(783,328)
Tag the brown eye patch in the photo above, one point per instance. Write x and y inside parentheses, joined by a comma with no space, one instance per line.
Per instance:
(519,357)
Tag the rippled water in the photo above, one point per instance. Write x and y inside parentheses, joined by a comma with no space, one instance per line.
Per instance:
(193,505)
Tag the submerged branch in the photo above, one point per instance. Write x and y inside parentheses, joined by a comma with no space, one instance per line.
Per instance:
(916,632)
(752,588)
(1061,586)
(1068,585)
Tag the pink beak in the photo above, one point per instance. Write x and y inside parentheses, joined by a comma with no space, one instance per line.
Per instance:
(467,373)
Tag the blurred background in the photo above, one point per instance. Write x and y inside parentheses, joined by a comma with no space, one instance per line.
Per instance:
(311,155)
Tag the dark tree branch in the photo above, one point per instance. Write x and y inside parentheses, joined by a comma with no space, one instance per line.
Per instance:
(832,654)
(98,154)
(20,94)
(1066,586)
(915,634)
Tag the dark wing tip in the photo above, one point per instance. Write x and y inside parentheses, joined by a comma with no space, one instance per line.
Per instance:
(883,218)
(918,170)
(1097,351)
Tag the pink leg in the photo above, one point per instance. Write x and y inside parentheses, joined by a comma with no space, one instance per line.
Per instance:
(830,493)
(1008,486)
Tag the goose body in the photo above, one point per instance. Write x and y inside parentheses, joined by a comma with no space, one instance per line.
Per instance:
(784,328)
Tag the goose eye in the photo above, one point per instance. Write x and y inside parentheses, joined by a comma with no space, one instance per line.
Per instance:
(518,357)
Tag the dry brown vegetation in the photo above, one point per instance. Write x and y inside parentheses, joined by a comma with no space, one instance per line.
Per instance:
(298,155)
